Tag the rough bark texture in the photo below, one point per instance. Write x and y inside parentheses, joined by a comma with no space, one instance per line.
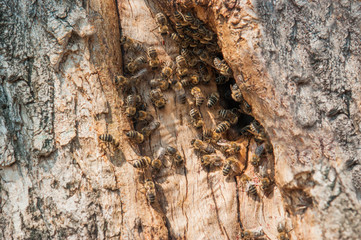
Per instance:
(297,63)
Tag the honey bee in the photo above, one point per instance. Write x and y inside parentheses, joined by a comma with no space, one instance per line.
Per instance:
(213,99)
(135,136)
(194,79)
(228,115)
(185,81)
(162,23)
(109,138)
(198,95)
(132,101)
(222,67)
(211,160)
(143,116)
(250,185)
(230,148)
(135,64)
(245,107)
(236,93)
(180,29)
(178,16)
(204,56)
(122,82)
(142,163)
(159,83)
(191,60)
(211,136)
(221,80)
(129,43)
(157,163)
(252,234)
(189,18)
(258,131)
(194,113)
(148,130)
(182,67)
(231,163)
(167,70)
(176,37)
(201,146)
(157,98)
(282,232)
(153,58)
(199,123)
(258,153)
(222,127)
(197,24)
(172,151)
(206,75)
(151,193)
(180,92)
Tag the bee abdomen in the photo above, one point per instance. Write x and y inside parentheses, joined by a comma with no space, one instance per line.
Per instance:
(226,169)
(213,99)
(151,197)
(106,137)
(222,127)
(252,189)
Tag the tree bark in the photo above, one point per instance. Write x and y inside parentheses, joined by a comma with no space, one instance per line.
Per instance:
(296,62)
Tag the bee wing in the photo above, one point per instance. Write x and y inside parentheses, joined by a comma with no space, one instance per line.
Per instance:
(259,150)
(235,167)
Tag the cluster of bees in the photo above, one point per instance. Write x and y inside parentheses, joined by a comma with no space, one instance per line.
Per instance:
(199,62)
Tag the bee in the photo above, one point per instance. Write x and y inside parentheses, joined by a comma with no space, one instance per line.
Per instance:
(135,64)
(198,123)
(211,160)
(185,81)
(201,146)
(132,101)
(167,70)
(180,92)
(196,24)
(143,116)
(250,185)
(210,135)
(157,98)
(182,67)
(206,76)
(121,82)
(151,193)
(245,107)
(194,113)
(230,148)
(159,83)
(252,234)
(153,58)
(135,136)
(129,43)
(172,151)
(143,162)
(204,56)
(221,80)
(213,99)
(109,138)
(209,35)
(162,23)
(147,130)
(231,163)
(194,79)
(198,95)
(189,18)
(192,61)
(176,37)
(157,163)
(180,29)
(222,127)
(257,130)
(222,67)
(178,16)
(282,232)
(258,153)
(228,115)
(236,93)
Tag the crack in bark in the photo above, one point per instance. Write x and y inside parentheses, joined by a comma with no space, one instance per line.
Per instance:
(221,227)
(186,196)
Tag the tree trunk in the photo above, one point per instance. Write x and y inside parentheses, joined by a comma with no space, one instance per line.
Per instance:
(297,64)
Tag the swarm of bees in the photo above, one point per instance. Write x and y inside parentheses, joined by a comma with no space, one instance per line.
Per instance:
(198,63)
